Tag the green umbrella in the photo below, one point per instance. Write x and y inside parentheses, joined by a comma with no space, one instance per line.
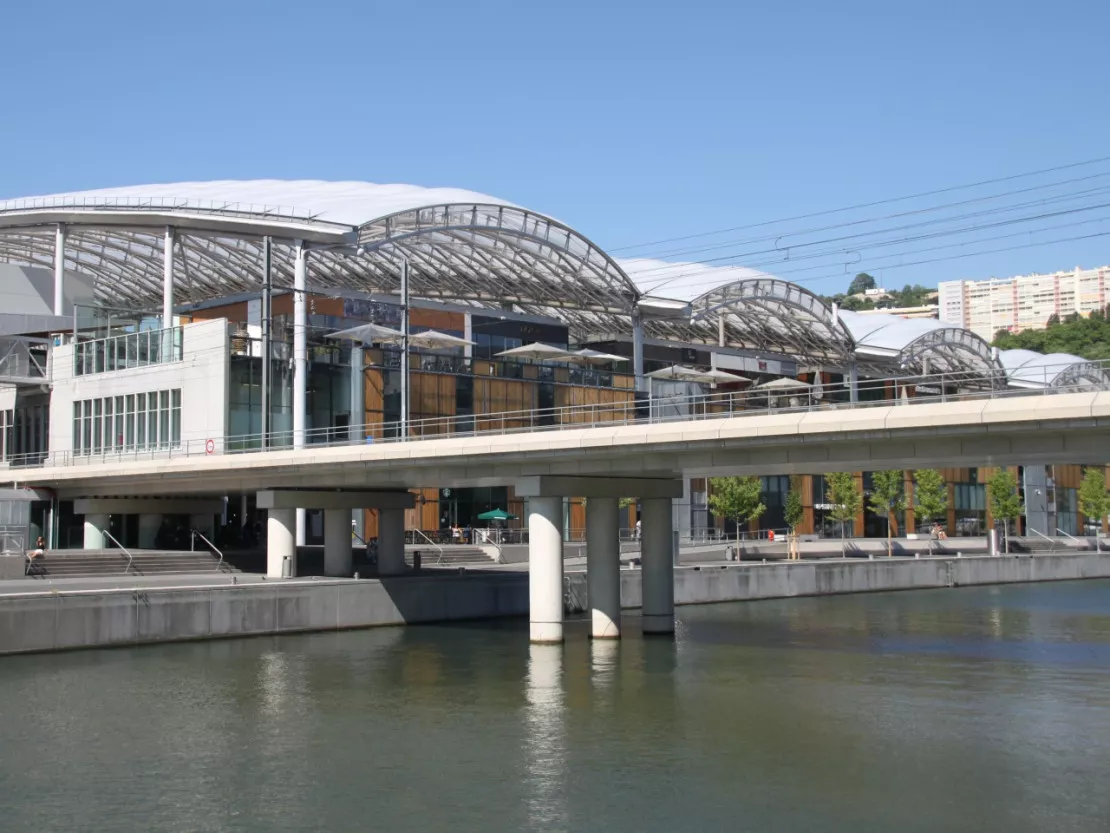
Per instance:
(496,515)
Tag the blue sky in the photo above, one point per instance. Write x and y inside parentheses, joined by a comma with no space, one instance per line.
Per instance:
(631,121)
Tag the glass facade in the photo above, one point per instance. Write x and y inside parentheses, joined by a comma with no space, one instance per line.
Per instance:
(122,352)
(131,422)
(971,508)
(24,433)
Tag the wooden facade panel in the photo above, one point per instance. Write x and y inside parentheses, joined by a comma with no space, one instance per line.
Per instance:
(374,398)
(437,319)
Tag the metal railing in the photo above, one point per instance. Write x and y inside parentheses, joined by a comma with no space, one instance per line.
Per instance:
(929,389)
(1050,540)
(439,549)
(123,549)
(13,542)
(196,533)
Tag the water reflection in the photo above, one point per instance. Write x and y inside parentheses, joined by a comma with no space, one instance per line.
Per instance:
(545,743)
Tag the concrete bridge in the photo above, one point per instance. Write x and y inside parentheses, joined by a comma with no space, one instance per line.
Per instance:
(645,460)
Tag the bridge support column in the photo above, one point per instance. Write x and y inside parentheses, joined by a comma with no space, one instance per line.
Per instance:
(281,527)
(94,535)
(391,542)
(603,579)
(338,556)
(657,542)
(149,524)
(545,569)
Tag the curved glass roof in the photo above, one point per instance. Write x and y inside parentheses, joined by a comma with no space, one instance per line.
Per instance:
(919,346)
(462,246)
(1029,369)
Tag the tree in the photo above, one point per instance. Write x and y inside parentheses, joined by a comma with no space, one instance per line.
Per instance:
(861,283)
(1005,501)
(1088,337)
(887,499)
(794,511)
(1094,502)
(737,498)
(930,494)
(846,500)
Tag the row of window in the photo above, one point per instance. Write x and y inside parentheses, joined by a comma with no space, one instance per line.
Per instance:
(133,422)
(123,352)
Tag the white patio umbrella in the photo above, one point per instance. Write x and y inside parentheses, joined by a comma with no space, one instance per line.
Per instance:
(678,373)
(588,356)
(536,350)
(434,338)
(369,332)
(785,384)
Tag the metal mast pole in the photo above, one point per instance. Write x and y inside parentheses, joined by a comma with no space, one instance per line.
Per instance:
(267,262)
(404,346)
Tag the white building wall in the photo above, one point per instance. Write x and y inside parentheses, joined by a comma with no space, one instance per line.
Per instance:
(202,376)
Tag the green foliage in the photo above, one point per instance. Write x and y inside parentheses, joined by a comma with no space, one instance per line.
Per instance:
(861,283)
(1087,337)
(887,498)
(625,502)
(737,498)
(1094,502)
(1002,491)
(930,495)
(887,494)
(909,296)
(793,508)
(845,498)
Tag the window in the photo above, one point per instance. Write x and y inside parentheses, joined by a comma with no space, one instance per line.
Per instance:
(134,422)
(121,352)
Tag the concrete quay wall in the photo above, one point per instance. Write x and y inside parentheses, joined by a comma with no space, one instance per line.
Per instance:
(749,582)
(55,621)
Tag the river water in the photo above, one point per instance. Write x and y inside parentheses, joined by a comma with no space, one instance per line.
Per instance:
(984,709)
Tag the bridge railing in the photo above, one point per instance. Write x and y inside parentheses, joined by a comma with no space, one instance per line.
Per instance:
(907,391)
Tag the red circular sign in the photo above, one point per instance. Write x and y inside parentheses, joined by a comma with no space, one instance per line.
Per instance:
(209,446)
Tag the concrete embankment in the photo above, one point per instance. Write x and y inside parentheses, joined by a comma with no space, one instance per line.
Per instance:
(750,582)
(60,619)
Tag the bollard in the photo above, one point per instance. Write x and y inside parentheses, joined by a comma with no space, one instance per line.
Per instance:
(416,559)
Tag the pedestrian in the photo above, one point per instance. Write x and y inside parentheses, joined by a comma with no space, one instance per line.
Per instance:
(637,530)
(40,549)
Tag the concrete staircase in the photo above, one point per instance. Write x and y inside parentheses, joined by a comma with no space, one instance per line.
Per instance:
(454,555)
(107,563)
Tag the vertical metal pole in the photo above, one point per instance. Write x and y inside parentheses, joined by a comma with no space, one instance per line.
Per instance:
(853,383)
(721,340)
(404,346)
(167,279)
(300,345)
(265,315)
(59,267)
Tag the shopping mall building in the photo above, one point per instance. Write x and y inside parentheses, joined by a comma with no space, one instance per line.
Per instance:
(138,321)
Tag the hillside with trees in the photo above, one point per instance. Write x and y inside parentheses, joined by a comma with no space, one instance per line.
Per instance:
(913,295)
(1088,337)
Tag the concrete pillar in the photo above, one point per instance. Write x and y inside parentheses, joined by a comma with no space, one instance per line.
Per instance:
(545,569)
(391,542)
(94,535)
(657,545)
(638,351)
(338,558)
(603,579)
(300,361)
(280,531)
(149,524)
(59,269)
(356,428)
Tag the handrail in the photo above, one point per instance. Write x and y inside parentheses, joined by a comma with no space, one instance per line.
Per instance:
(710,405)
(130,557)
(1046,537)
(489,539)
(193,543)
(1067,535)
(420,532)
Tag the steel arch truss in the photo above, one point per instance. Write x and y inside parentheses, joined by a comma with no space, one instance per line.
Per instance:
(949,350)
(487,256)
(772,314)
(1083,376)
